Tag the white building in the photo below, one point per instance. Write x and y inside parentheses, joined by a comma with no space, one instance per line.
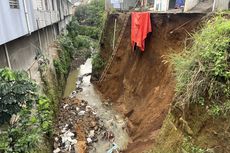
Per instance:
(165,5)
(28,25)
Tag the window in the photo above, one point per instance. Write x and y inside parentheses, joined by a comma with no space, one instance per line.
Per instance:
(14,4)
(39,4)
(46,5)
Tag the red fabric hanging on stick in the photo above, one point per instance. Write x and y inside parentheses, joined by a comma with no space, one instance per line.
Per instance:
(140,27)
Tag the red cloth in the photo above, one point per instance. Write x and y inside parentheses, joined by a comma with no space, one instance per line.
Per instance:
(140,27)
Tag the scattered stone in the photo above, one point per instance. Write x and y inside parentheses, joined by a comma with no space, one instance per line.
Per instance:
(91,133)
(88,108)
(89,140)
(57,150)
(78,123)
(93,124)
(65,106)
(81,113)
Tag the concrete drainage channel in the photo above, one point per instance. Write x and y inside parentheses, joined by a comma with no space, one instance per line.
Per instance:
(85,124)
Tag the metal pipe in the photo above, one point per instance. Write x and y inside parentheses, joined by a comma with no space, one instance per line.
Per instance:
(114,33)
(27,17)
(7,56)
(47,37)
(213,6)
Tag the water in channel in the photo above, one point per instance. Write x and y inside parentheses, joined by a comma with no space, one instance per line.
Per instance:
(111,119)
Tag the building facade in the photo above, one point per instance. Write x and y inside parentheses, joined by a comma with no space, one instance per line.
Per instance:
(27,26)
(165,5)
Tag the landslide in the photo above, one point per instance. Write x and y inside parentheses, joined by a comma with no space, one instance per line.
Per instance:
(141,86)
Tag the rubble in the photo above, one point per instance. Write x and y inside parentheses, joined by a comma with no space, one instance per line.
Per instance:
(79,129)
(77,122)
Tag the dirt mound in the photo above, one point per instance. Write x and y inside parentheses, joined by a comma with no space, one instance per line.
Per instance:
(141,85)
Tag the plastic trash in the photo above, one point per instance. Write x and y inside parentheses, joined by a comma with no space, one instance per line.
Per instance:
(114,148)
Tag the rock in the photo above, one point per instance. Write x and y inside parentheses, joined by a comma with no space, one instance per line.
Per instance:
(81,113)
(65,106)
(93,124)
(89,140)
(56,139)
(94,113)
(91,133)
(96,128)
(88,108)
(77,109)
(57,150)
(94,139)
(56,145)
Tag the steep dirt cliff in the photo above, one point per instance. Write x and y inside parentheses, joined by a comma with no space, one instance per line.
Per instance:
(141,85)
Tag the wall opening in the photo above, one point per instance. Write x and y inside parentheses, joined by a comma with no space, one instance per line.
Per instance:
(172,4)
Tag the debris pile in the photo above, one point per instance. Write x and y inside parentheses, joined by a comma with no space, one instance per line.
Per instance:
(78,127)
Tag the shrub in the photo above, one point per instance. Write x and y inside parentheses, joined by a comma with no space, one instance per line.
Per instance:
(19,96)
(97,63)
(189,147)
(91,14)
(16,90)
(202,72)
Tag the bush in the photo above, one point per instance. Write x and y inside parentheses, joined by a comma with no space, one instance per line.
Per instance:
(91,14)
(16,90)
(97,63)
(20,97)
(202,72)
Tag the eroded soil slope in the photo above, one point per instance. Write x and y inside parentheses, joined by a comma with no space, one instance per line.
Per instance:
(141,85)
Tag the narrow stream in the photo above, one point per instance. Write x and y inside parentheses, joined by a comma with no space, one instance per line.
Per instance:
(110,118)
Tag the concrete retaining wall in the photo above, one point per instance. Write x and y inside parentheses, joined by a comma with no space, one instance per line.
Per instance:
(189,4)
(221,4)
(22,51)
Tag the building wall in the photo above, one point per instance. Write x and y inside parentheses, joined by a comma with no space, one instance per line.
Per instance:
(221,4)
(128,4)
(41,13)
(189,4)
(22,51)
(161,5)
(13,21)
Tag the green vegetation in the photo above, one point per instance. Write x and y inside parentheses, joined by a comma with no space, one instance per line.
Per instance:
(200,113)
(98,63)
(203,71)
(189,147)
(83,33)
(91,14)
(15,91)
(33,113)
(91,19)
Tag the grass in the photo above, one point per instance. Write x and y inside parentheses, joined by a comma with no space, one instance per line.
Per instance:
(202,99)
(203,70)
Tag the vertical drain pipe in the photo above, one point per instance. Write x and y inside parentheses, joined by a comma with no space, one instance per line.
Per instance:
(114,33)
(7,56)
(213,6)
(39,36)
(27,16)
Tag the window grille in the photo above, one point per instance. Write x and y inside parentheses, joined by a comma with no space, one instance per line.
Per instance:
(14,4)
